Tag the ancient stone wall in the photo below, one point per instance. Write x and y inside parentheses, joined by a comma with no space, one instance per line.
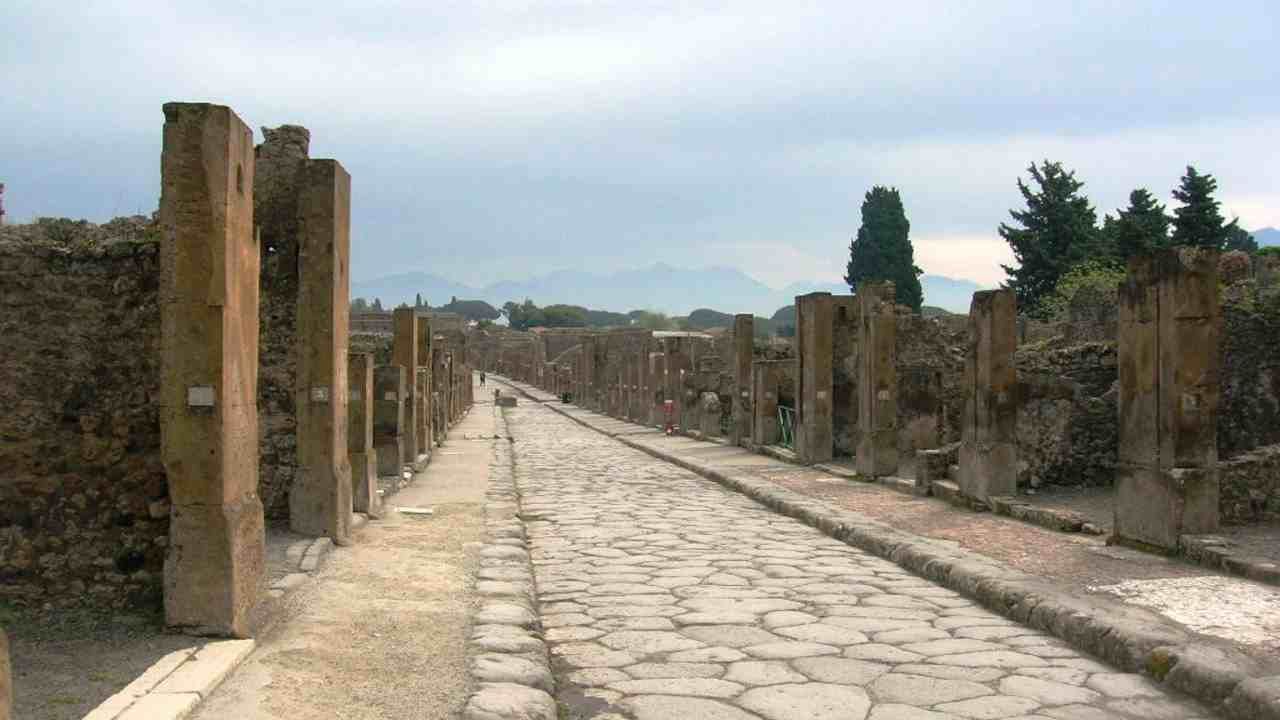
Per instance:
(1251,487)
(84,511)
(280,161)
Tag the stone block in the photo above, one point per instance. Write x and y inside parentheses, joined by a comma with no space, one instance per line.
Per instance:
(207,668)
(404,352)
(814,423)
(877,446)
(988,447)
(389,383)
(320,500)
(209,368)
(743,349)
(1167,479)
(361,454)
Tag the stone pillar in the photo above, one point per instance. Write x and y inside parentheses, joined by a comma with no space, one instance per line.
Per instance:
(6,674)
(988,446)
(813,383)
(360,447)
(764,392)
(389,392)
(657,367)
(1167,481)
(209,370)
(426,398)
(877,453)
(320,499)
(404,352)
(743,347)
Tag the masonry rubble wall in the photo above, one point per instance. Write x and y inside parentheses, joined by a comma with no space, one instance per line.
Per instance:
(84,505)
(281,160)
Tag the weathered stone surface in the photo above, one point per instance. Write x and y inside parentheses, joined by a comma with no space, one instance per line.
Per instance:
(697,687)
(807,701)
(506,668)
(877,453)
(509,701)
(209,360)
(844,671)
(755,673)
(988,445)
(922,690)
(666,707)
(360,448)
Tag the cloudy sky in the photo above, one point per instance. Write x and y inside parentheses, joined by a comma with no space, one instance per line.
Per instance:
(494,140)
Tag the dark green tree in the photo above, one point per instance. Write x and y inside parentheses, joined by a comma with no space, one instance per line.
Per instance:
(1140,228)
(1198,222)
(1240,239)
(882,249)
(417,300)
(1056,232)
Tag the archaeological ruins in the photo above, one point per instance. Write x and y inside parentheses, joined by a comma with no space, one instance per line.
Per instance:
(183,398)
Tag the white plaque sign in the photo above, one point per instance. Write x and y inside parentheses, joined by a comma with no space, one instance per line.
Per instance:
(320,393)
(200,396)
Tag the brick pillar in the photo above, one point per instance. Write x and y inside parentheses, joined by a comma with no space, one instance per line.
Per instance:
(404,352)
(988,445)
(743,346)
(360,447)
(426,399)
(389,400)
(1167,481)
(877,453)
(320,499)
(209,370)
(813,381)
(764,392)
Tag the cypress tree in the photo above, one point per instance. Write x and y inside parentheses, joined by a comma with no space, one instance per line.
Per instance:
(882,249)
(1141,227)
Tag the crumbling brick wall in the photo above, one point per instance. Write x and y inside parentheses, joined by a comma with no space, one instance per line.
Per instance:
(84,512)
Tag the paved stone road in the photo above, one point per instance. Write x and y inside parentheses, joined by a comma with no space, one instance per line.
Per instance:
(667,597)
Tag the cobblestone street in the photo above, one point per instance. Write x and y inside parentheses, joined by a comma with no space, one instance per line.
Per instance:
(665,596)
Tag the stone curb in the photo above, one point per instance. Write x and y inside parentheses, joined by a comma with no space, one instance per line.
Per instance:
(1216,552)
(175,684)
(1129,638)
(508,663)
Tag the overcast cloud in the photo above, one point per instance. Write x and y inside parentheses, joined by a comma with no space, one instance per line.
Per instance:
(492,140)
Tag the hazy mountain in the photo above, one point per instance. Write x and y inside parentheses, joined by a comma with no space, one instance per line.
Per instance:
(1267,237)
(661,287)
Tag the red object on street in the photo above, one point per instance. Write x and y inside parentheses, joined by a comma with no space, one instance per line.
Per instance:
(669,410)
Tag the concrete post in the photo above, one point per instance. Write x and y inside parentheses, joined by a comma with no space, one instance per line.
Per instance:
(426,398)
(389,392)
(404,352)
(813,383)
(1167,481)
(209,370)
(988,445)
(743,345)
(360,447)
(320,499)
(877,453)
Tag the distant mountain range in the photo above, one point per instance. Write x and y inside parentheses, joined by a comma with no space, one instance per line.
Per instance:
(661,287)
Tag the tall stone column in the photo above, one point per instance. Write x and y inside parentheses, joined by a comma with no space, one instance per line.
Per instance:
(764,391)
(404,352)
(655,396)
(209,260)
(877,453)
(1167,480)
(390,386)
(6,673)
(426,398)
(813,387)
(743,345)
(988,445)
(320,499)
(360,447)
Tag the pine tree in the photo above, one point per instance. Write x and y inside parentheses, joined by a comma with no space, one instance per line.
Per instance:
(1056,232)
(1198,222)
(1240,239)
(1141,227)
(882,249)
(417,300)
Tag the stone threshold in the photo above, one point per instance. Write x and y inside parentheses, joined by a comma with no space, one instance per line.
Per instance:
(172,687)
(1217,553)
(1134,641)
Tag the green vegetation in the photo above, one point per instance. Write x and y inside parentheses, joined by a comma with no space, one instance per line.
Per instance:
(1100,279)
(882,249)
(1198,222)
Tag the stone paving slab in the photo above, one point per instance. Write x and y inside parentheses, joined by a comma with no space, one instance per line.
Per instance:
(665,596)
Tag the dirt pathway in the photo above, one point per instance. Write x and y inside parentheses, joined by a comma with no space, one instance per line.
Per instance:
(381,631)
